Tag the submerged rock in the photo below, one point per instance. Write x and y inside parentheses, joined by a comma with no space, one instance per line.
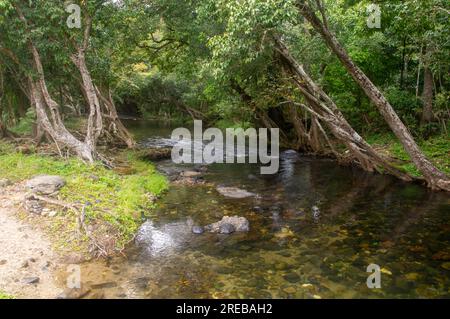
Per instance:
(190,174)
(45,184)
(240,224)
(198,229)
(156,154)
(226,229)
(234,192)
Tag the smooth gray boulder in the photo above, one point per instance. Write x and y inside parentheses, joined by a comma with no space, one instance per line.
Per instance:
(45,184)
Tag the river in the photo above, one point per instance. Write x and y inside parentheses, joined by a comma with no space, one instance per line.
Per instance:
(293,249)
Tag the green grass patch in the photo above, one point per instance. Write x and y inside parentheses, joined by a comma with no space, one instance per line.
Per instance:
(114,203)
(436,148)
(5,295)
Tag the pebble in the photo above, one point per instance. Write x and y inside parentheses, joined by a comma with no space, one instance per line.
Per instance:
(292,277)
(446,265)
(198,230)
(52,213)
(31,280)
(290,290)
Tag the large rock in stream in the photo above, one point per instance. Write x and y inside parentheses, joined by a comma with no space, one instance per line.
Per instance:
(229,224)
(45,184)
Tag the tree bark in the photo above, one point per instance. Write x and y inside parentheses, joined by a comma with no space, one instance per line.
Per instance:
(323,107)
(42,101)
(435,178)
(427,96)
(2,126)
(95,122)
(96,99)
(115,125)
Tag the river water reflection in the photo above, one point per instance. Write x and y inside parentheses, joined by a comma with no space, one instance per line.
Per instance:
(291,251)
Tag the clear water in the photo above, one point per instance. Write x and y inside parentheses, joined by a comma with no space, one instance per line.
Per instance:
(289,252)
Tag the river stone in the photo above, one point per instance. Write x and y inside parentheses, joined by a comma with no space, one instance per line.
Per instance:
(234,192)
(4,182)
(290,290)
(30,280)
(446,265)
(292,277)
(226,229)
(73,293)
(45,184)
(33,206)
(198,230)
(190,174)
(240,224)
(104,285)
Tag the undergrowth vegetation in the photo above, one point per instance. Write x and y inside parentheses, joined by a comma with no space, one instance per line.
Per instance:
(114,201)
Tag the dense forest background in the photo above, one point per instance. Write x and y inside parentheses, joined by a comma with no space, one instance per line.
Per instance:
(302,66)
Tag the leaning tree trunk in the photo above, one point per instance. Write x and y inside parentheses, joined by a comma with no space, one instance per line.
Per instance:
(96,99)
(303,138)
(58,132)
(323,107)
(42,101)
(434,177)
(114,125)
(95,121)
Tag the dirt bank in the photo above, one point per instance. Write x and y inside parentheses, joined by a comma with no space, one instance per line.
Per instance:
(27,260)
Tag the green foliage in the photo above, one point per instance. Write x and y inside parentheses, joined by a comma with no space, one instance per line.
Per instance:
(4,295)
(25,125)
(435,148)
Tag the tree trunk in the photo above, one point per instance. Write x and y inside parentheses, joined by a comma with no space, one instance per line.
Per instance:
(115,126)
(2,126)
(325,109)
(42,101)
(57,130)
(427,96)
(95,122)
(403,67)
(434,177)
(303,138)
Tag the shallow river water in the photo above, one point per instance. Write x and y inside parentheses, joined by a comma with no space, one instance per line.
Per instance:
(291,250)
